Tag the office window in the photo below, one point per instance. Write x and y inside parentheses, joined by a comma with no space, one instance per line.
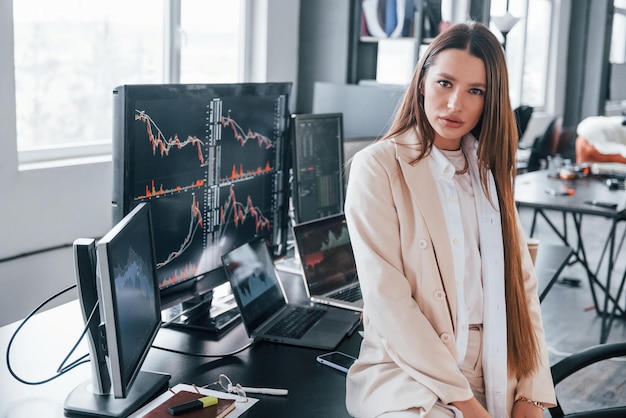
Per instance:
(616,100)
(70,54)
(212,41)
(527,48)
(618,37)
(536,54)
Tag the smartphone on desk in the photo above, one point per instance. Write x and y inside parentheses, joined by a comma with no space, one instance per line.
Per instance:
(337,360)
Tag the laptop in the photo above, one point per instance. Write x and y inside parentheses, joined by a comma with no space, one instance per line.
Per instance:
(265,311)
(327,262)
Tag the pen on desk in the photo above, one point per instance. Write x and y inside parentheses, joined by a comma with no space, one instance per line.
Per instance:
(552,192)
(606,205)
(266,391)
(192,405)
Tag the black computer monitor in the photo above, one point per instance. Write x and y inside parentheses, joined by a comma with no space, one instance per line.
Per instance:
(117,281)
(210,158)
(318,184)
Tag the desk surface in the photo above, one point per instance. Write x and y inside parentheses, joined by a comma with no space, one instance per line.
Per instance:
(532,190)
(314,390)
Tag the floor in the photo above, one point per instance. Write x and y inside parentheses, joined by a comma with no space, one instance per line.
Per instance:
(571,322)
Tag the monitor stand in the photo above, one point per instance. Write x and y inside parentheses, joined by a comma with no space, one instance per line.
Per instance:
(215,311)
(83,402)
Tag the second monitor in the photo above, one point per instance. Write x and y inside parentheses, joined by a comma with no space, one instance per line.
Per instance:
(318,177)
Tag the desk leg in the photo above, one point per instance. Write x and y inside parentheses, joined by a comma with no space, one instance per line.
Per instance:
(608,317)
(579,254)
(607,320)
(607,313)
(591,276)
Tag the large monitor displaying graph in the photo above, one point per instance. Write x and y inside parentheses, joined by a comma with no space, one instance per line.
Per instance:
(210,159)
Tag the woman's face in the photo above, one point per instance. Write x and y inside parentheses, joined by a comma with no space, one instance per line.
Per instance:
(454,95)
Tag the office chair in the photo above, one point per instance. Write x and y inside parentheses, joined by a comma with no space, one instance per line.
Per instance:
(577,361)
(545,145)
(523,114)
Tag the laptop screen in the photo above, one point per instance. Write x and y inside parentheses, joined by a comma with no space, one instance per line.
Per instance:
(326,254)
(254,282)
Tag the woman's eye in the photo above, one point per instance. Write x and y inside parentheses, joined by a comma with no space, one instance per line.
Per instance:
(477,91)
(444,83)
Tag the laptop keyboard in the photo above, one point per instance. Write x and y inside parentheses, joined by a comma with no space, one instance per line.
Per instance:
(296,322)
(351,294)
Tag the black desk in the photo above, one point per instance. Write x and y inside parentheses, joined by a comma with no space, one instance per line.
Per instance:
(533,189)
(314,390)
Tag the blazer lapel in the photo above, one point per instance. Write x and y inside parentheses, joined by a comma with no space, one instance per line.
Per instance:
(421,184)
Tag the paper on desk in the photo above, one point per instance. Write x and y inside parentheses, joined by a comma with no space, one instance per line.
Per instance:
(240,407)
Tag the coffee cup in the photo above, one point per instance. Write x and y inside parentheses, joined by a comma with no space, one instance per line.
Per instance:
(533,247)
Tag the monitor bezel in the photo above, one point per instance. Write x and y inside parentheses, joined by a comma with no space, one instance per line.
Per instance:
(203,282)
(298,216)
(85,266)
(108,301)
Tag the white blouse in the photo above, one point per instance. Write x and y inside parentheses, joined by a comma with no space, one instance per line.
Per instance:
(490,269)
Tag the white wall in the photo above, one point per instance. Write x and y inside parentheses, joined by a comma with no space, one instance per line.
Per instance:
(50,207)
(272,53)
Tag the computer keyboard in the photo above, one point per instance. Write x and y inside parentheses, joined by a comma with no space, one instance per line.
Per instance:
(351,294)
(296,322)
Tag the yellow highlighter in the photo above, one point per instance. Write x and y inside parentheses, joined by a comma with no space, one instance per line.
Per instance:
(192,405)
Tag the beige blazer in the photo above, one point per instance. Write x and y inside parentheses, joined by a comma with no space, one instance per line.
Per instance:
(408,357)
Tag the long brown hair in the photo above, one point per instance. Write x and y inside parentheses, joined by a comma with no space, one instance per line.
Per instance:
(497,137)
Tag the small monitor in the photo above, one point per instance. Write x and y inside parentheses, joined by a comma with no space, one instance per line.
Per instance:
(318,177)
(129,308)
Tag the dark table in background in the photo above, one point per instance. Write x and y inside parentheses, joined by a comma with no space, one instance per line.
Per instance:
(543,191)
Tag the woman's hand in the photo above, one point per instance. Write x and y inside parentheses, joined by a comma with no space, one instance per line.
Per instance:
(471,408)
(523,409)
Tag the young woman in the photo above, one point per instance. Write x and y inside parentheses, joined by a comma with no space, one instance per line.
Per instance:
(451,315)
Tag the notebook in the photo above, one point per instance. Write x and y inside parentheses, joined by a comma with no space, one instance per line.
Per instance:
(220,410)
(265,311)
(328,266)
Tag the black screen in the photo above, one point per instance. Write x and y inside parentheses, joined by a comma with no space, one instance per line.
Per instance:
(133,275)
(254,282)
(210,160)
(326,253)
(130,299)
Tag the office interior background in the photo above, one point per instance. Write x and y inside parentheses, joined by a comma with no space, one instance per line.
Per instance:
(59,63)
